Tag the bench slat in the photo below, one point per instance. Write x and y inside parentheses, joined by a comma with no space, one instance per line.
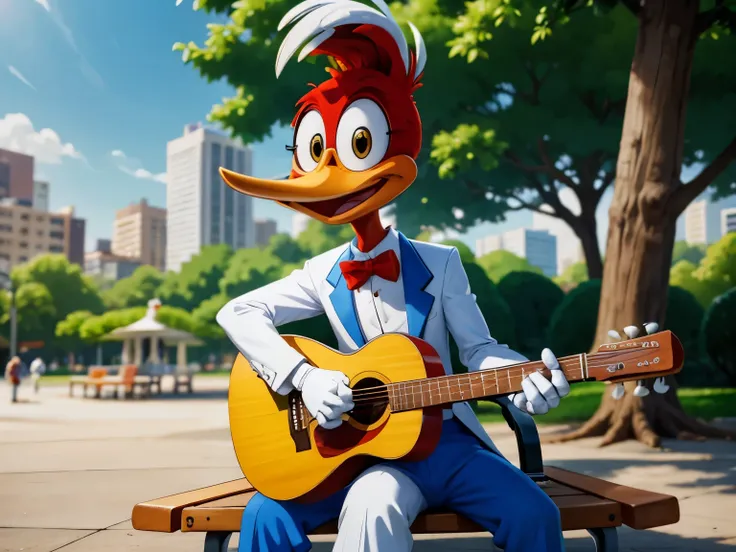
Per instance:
(164,515)
(578,511)
(639,509)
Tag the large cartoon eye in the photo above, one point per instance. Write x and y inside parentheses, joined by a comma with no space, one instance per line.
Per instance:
(362,135)
(309,140)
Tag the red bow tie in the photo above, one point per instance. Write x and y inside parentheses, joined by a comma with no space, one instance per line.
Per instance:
(357,273)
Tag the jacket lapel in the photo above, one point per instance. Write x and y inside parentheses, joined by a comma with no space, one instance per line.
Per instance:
(415,277)
(342,300)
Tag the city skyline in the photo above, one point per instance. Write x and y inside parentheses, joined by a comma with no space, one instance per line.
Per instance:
(73,98)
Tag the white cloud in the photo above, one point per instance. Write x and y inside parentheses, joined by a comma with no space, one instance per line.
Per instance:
(45,4)
(18,75)
(132,166)
(17,134)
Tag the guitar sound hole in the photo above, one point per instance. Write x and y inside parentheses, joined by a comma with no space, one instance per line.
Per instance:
(370,400)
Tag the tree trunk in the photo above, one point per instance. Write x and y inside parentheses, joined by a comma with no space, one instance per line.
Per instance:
(586,229)
(642,217)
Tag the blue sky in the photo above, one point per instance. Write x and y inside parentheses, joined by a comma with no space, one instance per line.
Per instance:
(94,89)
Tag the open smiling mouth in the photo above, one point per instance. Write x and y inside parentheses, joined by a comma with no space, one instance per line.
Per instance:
(342,204)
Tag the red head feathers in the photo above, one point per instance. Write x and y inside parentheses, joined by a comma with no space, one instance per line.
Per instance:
(358,133)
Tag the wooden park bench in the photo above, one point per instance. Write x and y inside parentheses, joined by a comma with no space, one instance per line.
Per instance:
(128,379)
(585,502)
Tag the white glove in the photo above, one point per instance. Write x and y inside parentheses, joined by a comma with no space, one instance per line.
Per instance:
(325,394)
(541,394)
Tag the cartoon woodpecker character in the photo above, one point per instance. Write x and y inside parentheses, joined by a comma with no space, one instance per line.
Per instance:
(355,141)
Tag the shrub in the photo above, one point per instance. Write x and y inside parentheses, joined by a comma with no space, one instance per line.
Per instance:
(532,298)
(684,317)
(573,324)
(718,334)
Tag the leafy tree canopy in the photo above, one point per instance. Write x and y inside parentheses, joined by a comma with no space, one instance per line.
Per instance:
(199,278)
(285,248)
(94,328)
(719,334)
(576,273)
(319,237)
(498,264)
(135,290)
(466,254)
(67,331)
(36,312)
(249,269)
(683,251)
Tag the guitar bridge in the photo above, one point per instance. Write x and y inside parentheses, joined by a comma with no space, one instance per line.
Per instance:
(298,426)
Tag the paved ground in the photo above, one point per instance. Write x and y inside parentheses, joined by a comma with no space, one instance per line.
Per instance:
(71,470)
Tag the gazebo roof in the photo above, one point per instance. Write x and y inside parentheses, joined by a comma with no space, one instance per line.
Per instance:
(148,326)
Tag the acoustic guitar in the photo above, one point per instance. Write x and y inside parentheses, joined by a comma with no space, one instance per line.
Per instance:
(399,390)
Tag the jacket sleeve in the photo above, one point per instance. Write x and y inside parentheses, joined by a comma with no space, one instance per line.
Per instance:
(478,350)
(250,321)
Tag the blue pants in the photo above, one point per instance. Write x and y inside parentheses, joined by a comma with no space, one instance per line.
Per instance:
(461,475)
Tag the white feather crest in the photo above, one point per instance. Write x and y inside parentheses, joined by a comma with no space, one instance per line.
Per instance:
(316,20)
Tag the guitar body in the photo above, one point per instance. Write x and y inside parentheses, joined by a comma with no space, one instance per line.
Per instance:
(284,462)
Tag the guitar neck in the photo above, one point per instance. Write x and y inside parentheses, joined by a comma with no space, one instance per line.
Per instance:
(482,384)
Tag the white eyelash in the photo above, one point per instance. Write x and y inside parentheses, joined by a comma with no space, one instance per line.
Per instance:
(316,20)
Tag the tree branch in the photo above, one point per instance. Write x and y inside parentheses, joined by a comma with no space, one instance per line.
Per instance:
(526,205)
(686,193)
(550,168)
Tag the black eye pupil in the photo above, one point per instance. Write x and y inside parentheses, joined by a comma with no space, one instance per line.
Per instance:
(317,147)
(361,142)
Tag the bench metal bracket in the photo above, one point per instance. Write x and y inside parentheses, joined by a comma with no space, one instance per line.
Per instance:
(606,539)
(216,541)
(527,439)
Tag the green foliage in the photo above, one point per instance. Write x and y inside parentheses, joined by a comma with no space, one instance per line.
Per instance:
(67,331)
(683,251)
(135,290)
(289,268)
(498,264)
(466,254)
(319,237)
(66,284)
(249,269)
(574,274)
(572,326)
(533,299)
(719,334)
(36,309)
(424,236)
(204,317)
(198,280)
(684,317)
(285,248)
(94,328)
(714,276)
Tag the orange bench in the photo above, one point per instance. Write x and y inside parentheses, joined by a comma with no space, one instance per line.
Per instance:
(127,379)
(92,379)
(585,502)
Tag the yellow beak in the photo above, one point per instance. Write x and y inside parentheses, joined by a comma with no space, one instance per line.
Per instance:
(332,193)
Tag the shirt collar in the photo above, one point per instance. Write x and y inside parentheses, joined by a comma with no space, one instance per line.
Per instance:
(391,241)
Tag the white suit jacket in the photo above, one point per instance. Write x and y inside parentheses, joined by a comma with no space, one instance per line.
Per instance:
(431,298)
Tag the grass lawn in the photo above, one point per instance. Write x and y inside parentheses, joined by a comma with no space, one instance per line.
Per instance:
(584,399)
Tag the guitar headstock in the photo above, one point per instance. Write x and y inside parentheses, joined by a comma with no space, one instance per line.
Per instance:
(651,356)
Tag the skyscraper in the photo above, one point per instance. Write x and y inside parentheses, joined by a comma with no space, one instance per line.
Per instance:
(569,248)
(728,220)
(40,195)
(139,232)
(201,208)
(696,218)
(265,228)
(16,175)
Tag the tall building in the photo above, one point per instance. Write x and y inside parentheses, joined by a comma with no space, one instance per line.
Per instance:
(26,232)
(40,195)
(139,232)
(265,228)
(696,218)
(201,208)
(569,248)
(728,220)
(16,175)
(539,247)
(102,263)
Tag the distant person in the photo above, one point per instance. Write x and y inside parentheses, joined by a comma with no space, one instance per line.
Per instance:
(12,374)
(38,369)
(54,366)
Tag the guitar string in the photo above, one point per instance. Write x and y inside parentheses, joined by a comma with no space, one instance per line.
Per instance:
(513,370)
(369,394)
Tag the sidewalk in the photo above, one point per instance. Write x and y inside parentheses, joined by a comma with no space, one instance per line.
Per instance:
(72,469)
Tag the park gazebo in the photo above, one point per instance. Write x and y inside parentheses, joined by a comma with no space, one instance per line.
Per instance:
(146,343)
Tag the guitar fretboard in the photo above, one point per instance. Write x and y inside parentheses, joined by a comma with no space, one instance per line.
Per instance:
(410,395)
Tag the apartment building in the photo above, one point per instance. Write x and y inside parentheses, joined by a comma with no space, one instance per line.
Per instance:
(139,232)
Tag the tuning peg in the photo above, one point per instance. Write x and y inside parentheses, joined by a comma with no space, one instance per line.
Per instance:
(618,391)
(631,331)
(640,390)
(613,334)
(651,327)
(660,386)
